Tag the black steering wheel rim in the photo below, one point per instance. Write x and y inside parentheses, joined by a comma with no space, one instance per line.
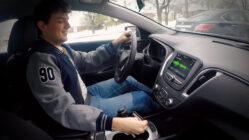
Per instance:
(125,60)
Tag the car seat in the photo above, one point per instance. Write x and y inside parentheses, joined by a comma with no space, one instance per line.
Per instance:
(14,127)
(23,35)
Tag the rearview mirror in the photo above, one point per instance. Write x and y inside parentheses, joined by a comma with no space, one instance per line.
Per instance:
(140,4)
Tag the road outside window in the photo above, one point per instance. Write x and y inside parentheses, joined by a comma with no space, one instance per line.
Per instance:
(202,16)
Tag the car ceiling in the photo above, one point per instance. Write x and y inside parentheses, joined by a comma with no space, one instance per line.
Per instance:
(20,8)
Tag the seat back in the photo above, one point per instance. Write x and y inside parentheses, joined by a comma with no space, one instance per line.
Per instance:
(4,104)
(23,35)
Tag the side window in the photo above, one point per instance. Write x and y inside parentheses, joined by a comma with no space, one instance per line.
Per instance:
(6,27)
(87,26)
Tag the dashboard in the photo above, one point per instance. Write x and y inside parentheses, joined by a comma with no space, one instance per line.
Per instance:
(202,75)
(157,51)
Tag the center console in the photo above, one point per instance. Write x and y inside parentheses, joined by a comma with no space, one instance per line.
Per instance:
(174,75)
(150,133)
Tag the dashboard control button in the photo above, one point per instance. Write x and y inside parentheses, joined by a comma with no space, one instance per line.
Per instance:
(169,102)
(170,76)
(165,93)
(156,88)
(178,82)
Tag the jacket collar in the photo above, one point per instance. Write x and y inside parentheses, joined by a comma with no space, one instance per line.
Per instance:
(46,46)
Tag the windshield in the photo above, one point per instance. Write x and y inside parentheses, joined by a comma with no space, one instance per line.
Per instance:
(227,18)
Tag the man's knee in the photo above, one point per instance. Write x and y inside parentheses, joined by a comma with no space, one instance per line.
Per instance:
(130,79)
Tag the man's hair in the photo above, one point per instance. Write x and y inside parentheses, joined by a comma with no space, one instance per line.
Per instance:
(45,8)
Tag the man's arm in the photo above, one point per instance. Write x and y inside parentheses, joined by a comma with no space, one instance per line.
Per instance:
(44,79)
(101,58)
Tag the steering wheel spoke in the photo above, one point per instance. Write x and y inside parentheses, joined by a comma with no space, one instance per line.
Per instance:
(124,56)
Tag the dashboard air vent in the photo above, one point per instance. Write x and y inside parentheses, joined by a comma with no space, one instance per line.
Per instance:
(201,80)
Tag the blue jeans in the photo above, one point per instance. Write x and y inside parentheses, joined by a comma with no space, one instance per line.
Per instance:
(110,96)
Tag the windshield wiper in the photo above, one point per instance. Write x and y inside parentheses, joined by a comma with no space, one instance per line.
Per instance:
(237,45)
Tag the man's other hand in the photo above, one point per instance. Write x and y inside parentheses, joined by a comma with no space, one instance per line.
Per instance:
(130,125)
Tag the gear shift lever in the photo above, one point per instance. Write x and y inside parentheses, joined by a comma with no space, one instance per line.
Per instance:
(122,112)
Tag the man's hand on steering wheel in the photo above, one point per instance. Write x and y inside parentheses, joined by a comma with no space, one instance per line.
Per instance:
(124,37)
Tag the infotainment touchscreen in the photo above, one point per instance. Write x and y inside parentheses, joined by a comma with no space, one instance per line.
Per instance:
(181,65)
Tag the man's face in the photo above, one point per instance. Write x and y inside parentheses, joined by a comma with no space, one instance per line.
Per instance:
(55,31)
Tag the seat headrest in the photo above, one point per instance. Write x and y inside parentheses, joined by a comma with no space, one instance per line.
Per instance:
(23,33)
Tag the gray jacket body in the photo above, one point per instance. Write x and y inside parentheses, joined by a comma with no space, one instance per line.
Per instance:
(53,81)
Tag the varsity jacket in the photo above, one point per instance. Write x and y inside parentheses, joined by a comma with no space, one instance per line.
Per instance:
(53,81)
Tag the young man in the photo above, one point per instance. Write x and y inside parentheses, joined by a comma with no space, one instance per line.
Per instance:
(53,75)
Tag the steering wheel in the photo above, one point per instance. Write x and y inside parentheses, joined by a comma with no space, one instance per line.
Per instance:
(125,59)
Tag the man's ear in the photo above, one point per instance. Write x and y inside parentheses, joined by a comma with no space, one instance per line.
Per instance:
(41,25)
